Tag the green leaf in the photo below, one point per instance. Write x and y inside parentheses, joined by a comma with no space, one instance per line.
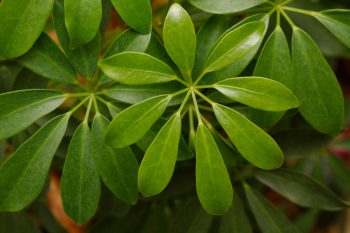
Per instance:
(82,18)
(158,164)
(46,59)
(340,173)
(235,45)
(117,167)
(21,23)
(135,68)
(269,218)
(253,143)
(270,65)
(23,175)
(259,93)
(301,189)
(213,183)
(80,182)
(131,124)
(225,6)
(137,14)
(19,109)
(129,40)
(316,86)
(180,38)
(336,21)
(17,223)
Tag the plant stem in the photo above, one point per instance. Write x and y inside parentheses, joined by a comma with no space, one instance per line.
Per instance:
(196,107)
(204,86)
(204,97)
(184,101)
(181,81)
(289,20)
(278,18)
(205,108)
(179,92)
(78,105)
(95,104)
(70,95)
(88,110)
(300,11)
(200,77)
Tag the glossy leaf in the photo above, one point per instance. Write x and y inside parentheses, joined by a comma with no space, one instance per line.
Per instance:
(131,124)
(21,23)
(117,167)
(82,18)
(338,22)
(137,14)
(46,59)
(213,183)
(301,189)
(158,164)
(274,63)
(23,175)
(19,109)
(321,99)
(225,6)
(269,218)
(235,45)
(80,183)
(260,93)
(136,68)
(253,143)
(180,38)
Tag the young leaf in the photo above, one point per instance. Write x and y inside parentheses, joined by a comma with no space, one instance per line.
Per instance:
(235,45)
(260,93)
(46,59)
(82,18)
(180,38)
(321,99)
(21,23)
(136,68)
(338,22)
(158,164)
(253,143)
(23,175)
(117,167)
(269,65)
(301,189)
(80,180)
(137,14)
(19,109)
(225,6)
(213,183)
(131,124)
(269,219)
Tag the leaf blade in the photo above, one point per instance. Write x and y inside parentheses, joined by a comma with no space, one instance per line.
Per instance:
(225,6)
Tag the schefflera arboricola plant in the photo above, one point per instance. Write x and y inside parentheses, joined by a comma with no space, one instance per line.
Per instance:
(192,70)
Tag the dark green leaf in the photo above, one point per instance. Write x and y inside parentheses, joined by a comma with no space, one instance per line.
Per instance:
(23,175)
(21,23)
(131,124)
(253,143)
(46,59)
(19,109)
(17,223)
(316,86)
(80,179)
(340,173)
(117,167)
(225,6)
(213,183)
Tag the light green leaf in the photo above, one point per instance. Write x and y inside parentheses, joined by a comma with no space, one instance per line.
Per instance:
(47,60)
(131,124)
(269,218)
(82,19)
(180,38)
(270,65)
(213,183)
(136,68)
(158,164)
(301,189)
(253,143)
(21,23)
(117,167)
(259,93)
(80,182)
(19,109)
(136,13)
(23,175)
(336,21)
(316,86)
(235,45)
(225,6)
